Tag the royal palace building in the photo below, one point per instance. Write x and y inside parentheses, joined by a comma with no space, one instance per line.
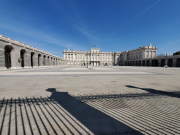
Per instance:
(97,58)
(15,54)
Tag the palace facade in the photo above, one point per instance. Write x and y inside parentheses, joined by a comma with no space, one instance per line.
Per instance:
(97,58)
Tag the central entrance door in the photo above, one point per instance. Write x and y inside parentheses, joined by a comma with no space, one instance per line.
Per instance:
(94,63)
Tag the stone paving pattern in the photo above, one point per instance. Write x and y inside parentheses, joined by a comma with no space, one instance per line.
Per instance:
(97,100)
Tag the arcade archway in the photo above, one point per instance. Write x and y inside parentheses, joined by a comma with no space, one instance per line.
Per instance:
(22,54)
(32,59)
(8,49)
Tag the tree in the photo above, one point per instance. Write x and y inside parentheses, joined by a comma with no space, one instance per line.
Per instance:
(161,55)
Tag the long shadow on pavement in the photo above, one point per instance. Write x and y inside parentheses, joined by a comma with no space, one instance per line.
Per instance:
(95,120)
(157,92)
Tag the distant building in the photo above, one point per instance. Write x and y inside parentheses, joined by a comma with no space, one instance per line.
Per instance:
(97,58)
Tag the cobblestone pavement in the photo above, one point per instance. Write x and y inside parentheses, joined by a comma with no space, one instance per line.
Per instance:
(97,100)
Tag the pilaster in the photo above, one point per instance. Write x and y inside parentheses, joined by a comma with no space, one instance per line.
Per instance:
(35,60)
(27,60)
(2,58)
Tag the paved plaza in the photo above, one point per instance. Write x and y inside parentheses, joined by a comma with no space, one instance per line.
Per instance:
(98,100)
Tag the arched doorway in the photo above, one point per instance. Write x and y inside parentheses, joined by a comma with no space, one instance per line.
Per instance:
(147,63)
(178,62)
(170,62)
(51,61)
(39,55)
(139,63)
(162,62)
(143,62)
(131,63)
(32,60)
(22,53)
(7,52)
(155,63)
(44,60)
(48,61)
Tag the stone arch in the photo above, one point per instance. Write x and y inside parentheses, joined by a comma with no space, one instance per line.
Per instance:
(137,63)
(162,62)
(178,62)
(44,60)
(144,63)
(39,56)
(170,62)
(132,63)
(51,61)
(22,54)
(155,63)
(32,59)
(147,63)
(54,62)
(7,52)
(48,60)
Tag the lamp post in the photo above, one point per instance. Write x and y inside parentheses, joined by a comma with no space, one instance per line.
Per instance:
(166,61)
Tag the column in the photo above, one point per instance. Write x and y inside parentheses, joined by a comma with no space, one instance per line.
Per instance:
(14,59)
(35,60)
(27,60)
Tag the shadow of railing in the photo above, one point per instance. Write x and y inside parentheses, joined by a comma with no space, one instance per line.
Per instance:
(62,113)
(36,116)
(95,120)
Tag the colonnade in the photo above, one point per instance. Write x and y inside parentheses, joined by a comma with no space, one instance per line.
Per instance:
(14,54)
(173,61)
(26,58)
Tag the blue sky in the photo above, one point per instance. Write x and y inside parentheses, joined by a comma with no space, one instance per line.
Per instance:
(112,25)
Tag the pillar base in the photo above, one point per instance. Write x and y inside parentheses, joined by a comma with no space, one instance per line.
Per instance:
(35,66)
(16,67)
(27,67)
(3,68)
